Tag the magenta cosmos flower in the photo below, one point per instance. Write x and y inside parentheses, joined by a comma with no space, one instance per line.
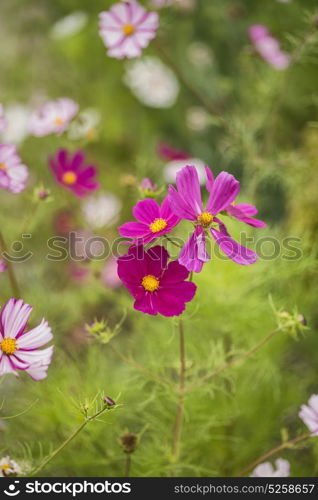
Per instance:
(309,414)
(186,203)
(13,174)
(20,350)
(53,118)
(153,221)
(157,287)
(268,47)
(71,172)
(127,28)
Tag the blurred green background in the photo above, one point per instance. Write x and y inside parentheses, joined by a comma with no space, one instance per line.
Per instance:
(270,146)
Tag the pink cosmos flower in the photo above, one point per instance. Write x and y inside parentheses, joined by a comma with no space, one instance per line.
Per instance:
(186,203)
(147,186)
(13,174)
(109,275)
(168,153)
(53,118)
(153,221)
(157,287)
(309,414)
(71,172)
(3,120)
(268,47)
(127,28)
(20,350)
(267,470)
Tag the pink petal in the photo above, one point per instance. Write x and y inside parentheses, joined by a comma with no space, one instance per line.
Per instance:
(14,317)
(235,251)
(146,211)
(188,184)
(35,338)
(193,255)
(223,193)
(148,303)
(134,230)
(175,273)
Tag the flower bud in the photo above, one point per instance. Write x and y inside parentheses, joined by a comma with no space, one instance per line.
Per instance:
(109,401)
(129,442)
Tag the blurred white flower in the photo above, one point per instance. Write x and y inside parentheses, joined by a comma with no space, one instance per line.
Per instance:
(266,469)
(17,129)
(69,25)
(153,83)
(197,118)
(9,467)
(85,126)
(102,210)
(170,169)
(3,120)
(199,54)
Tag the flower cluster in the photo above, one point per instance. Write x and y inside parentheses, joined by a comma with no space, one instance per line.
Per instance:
(53,118)
(268,47)
(145,272)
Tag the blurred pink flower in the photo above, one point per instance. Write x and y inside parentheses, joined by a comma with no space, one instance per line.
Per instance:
(3,121)
(148,186)
(309,414)
(20,350)
(71,172)
(78,273)
(109,275)
(13,174)
(53,118)
(268,47)
(3,266)
(267,470)
(127,28)
(166,152)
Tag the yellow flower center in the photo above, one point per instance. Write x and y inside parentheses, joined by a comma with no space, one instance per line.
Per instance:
(150,283)
(128,29)
(8,346)
(158,225)
(205,219)
(58,121)
(3,167)
(69,177)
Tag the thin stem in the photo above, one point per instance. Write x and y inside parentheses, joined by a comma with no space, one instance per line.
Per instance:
(233,361)
(138,367)
(275,450)
(175,447)
(11,273)
(188,84)
(67,441)
(128,465)
(173,242)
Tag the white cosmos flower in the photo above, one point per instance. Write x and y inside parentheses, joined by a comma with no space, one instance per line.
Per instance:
(17,129)
(170,169)
(153,83)
(69,25)
(266,469)
(102,210)
(9,467)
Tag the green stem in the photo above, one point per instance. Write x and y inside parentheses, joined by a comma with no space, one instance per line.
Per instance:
(11,273)
(175,447)
(275,450)
(128,465)
(233,361)
(67,441)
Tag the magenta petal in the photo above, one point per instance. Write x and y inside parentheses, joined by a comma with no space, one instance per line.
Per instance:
(241,212)
(167,213)
(223,193)
(133,230)
(188,184)
(180,207)
(210,181)
(193,255)
(246,208)
(146,211)
(148,303)
(235,251)
(77,160)
(156,259)
(62,159)
(171,300)
(174,274)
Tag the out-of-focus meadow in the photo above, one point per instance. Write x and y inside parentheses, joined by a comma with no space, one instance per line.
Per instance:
(269,144)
